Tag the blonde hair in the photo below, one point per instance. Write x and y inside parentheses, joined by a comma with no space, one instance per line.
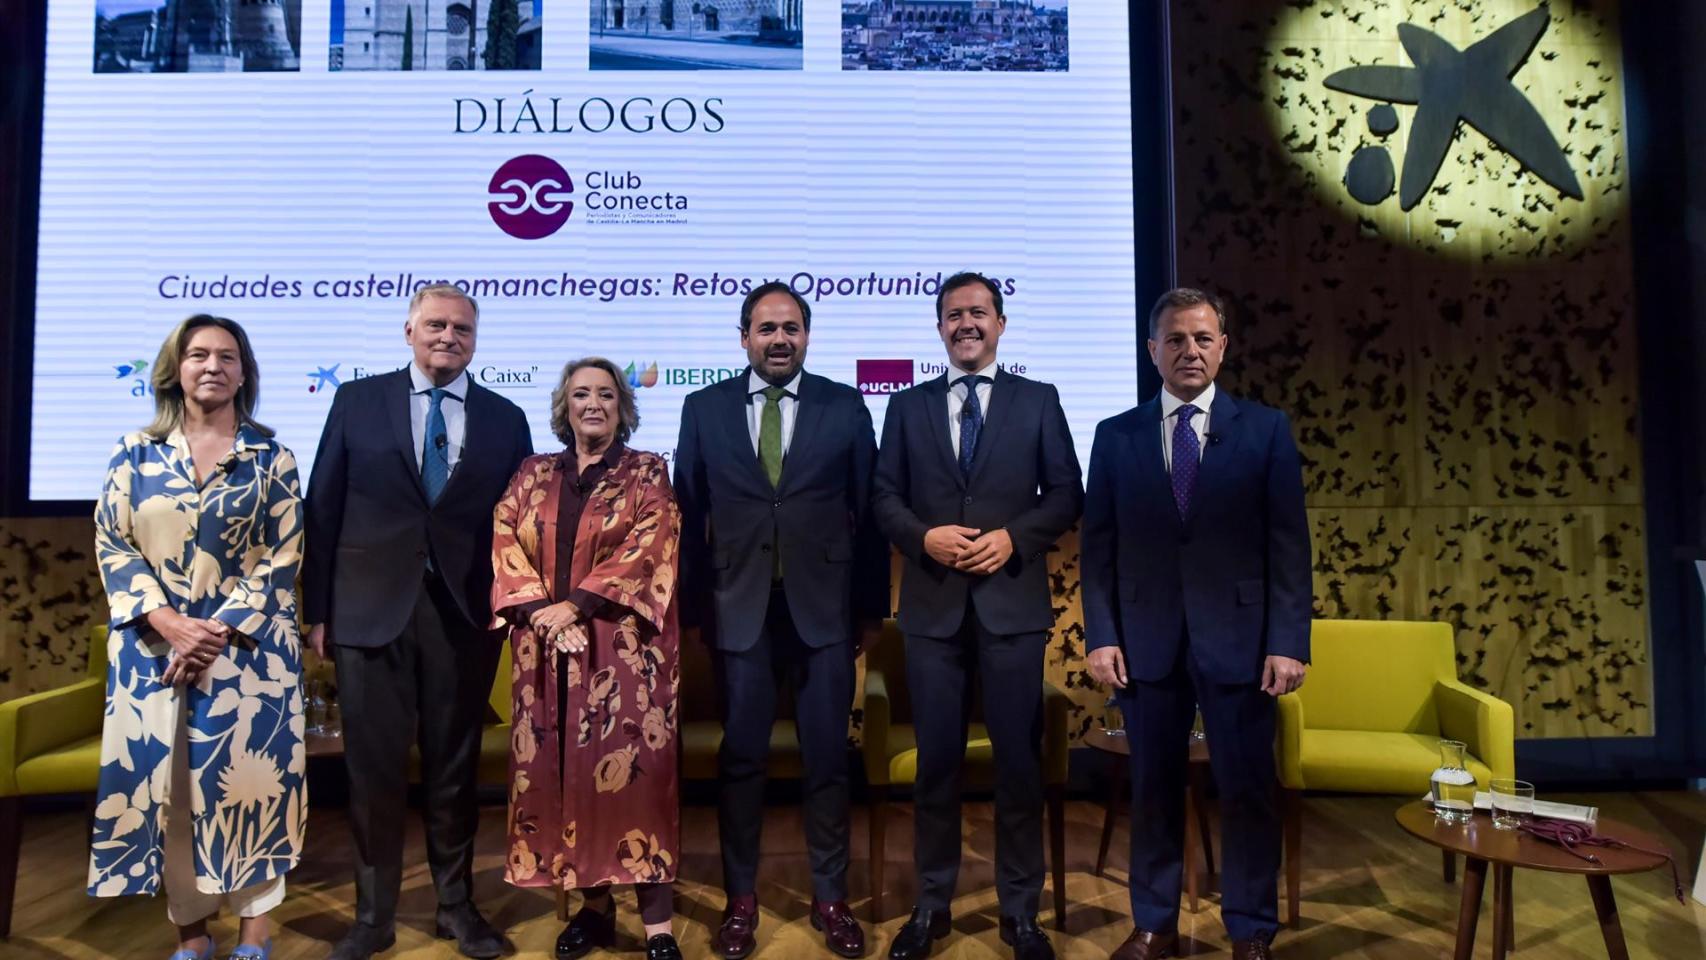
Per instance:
(627,412)
(169,390)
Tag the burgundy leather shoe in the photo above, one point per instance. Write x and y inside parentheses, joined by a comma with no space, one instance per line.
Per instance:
(734,939)
(1252,950)
(841,931)
(1143,945)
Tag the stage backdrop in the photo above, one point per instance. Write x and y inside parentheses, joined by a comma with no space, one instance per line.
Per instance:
(1460,364)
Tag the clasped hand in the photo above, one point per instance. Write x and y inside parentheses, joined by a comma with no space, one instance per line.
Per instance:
(560,625)
(968,550)
(195,642)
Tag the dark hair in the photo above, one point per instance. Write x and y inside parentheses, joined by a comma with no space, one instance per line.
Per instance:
(766,289)
(1182,298)
(169,391)
(966,278)
(627,411)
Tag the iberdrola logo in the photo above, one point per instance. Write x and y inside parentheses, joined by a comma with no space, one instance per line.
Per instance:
(642,376)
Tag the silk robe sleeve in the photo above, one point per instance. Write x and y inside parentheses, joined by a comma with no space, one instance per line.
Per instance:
(517,583)
(133,588)
(640,574)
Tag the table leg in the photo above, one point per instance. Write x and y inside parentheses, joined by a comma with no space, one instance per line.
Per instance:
(1501,903)
(1469,907)
(1117,788)
(1510,907)
(1610,927)
(1193,843)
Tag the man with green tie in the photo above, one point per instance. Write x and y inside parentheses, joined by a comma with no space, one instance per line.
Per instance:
(785,574)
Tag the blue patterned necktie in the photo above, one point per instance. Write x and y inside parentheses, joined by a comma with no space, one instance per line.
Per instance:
(435,446)
(1187,456)
(971,421)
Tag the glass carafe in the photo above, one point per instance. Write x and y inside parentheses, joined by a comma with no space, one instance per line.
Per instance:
(1453,784)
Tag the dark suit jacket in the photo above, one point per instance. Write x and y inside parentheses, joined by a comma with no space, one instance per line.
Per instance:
(834,562)
(370,529)
(1024,477)
(1234,573)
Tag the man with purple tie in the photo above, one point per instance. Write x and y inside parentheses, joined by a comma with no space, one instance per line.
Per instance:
(1197,596)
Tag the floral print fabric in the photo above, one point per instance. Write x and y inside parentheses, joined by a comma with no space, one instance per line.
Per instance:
(609,812)
(226,550)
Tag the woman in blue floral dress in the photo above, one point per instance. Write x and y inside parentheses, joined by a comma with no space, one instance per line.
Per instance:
(198,533)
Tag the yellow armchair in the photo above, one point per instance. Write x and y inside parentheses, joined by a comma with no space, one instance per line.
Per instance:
(50,743)
(890,751)
(1378,698)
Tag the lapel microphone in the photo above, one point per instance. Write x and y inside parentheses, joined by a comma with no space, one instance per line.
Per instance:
(1213,439)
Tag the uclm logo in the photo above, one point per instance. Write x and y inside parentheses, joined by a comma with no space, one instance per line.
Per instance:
(530,197)
(878,377)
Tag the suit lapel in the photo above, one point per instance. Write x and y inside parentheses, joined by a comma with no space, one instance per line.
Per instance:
(808,414)
(1154,485)
(474,437)
(1224,436)
(397,402)
(1002,393)
(936,414)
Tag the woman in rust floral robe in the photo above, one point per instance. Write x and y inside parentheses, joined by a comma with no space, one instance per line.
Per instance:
(585,556)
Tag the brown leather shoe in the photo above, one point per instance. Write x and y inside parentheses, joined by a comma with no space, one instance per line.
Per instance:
(1252,950)
(734,939)
(841,930)
(1143,945)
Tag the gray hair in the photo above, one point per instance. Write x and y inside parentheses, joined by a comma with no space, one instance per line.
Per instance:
(1183,298)
(450,290)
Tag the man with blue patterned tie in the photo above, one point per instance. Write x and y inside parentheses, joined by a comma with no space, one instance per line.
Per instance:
(397,579)
(976,479)
(1197,596)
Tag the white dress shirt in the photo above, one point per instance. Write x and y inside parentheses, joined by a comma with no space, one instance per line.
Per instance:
(957,399)
(790,404)
(455,412)
(1170,419)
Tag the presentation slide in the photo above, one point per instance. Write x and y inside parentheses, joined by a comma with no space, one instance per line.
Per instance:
(606,177)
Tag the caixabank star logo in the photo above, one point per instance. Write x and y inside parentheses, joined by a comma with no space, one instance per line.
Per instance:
(1450,87)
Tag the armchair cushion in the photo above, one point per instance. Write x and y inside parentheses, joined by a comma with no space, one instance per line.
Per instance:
(1364,761)
(73,768)
(44,725)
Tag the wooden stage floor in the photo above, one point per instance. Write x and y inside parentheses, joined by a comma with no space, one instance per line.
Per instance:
(1368,891)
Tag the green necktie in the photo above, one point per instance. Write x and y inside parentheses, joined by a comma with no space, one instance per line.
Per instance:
(770,434)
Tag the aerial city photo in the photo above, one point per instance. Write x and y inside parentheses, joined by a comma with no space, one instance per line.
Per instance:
(969,35)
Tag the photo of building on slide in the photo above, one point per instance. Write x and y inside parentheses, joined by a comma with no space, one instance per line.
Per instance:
(974,35)
(696,35)
(437,34)
(197,36)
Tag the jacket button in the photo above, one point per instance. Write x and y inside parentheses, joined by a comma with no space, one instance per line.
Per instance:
(777,504)
(764,548)
(967,501)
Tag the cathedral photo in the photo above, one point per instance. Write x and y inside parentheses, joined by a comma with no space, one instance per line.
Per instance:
(436,35)
(197,36)
(695,34)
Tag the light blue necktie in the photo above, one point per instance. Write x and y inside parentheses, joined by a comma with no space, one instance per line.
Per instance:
(435,447)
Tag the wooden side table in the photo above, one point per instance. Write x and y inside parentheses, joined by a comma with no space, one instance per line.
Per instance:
(1114,744)
(1482,845)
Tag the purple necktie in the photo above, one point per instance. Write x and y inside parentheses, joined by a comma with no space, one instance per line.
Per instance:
(1187,454)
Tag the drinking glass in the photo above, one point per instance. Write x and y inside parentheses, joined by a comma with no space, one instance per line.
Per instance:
(1513,802)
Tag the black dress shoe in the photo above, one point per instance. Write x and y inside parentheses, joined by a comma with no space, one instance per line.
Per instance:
(1028,940)
(662,947)
(590,928)
(363,941)
(916,936)
(473,935)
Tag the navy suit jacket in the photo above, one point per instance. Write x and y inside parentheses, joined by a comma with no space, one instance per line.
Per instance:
(370,529)
(834,562)
(1233,574)
(1024,477)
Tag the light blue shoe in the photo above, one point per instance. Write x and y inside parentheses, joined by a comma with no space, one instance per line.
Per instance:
(193,955)
(245,951)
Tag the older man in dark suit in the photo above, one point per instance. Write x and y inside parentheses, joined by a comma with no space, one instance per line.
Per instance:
(783,572)
(1197,595)
(397,580)
(976,479)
